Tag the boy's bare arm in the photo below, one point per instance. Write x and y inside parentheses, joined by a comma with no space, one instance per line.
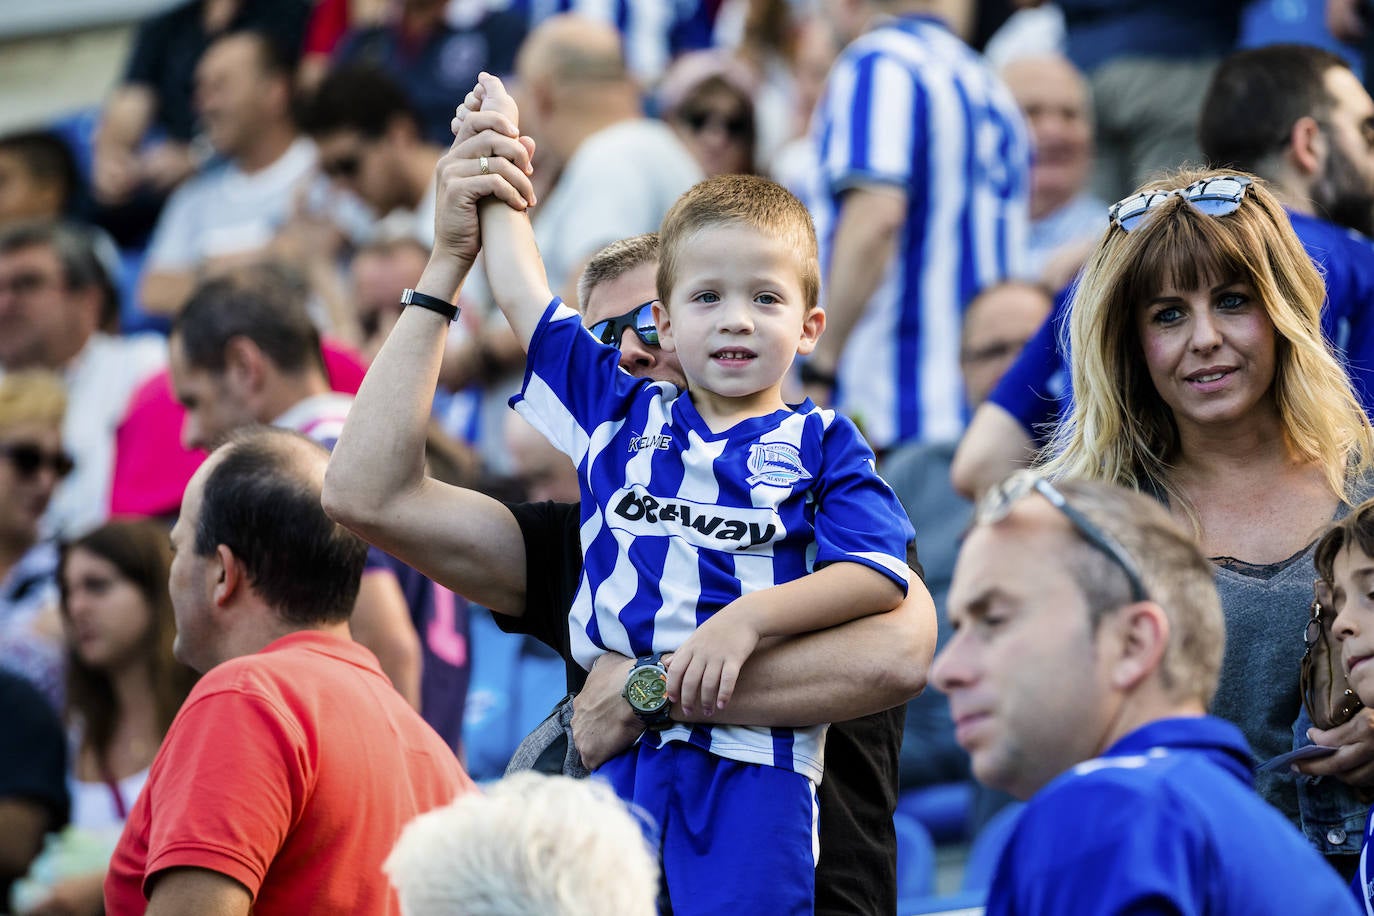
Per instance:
(514,268)
(852,670)
(705,668)
(376,483)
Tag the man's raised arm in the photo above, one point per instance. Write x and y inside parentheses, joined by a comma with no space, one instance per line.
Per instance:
(376,484)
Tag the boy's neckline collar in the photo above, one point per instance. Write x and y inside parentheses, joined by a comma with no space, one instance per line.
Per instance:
(745,427)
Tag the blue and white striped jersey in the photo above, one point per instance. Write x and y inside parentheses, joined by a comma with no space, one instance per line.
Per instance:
(678,521)
(909,105)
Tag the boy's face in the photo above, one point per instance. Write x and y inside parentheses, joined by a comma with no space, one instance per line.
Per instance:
(737,320)
(1352,594)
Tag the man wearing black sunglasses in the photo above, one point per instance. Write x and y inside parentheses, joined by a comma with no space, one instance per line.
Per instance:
(524,561)
(1088,643)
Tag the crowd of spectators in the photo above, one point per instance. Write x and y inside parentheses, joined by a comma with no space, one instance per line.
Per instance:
(227,249)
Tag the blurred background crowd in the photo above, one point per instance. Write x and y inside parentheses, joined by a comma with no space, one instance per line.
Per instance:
(272,161)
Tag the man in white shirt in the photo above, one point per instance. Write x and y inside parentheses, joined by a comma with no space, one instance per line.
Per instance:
(231,211)
(56,302)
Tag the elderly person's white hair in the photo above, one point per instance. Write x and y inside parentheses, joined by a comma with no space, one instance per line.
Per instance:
(527,844)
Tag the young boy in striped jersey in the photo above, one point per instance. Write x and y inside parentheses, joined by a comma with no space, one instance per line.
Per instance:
(711,518)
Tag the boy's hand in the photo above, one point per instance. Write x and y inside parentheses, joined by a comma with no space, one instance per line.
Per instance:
(703,671)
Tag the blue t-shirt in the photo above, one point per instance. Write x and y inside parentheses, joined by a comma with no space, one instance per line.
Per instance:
(678,521)
(909,105)
(1166,821)
(1036,387)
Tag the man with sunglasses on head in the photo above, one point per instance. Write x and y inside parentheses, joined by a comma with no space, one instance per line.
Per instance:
(524,561)
(1088,643)
(1296,117)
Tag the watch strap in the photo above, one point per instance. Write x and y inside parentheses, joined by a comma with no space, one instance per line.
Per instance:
(433,303)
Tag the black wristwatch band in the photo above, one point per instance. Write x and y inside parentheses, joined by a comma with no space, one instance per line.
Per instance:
(433,303)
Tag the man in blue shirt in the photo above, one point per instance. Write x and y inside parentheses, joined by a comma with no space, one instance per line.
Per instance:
(1088,642)
(1295,116)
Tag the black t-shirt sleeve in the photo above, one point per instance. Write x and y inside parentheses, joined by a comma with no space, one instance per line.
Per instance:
(33,758)
(553,567)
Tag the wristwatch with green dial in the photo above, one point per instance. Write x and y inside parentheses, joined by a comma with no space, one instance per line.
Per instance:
(646,690)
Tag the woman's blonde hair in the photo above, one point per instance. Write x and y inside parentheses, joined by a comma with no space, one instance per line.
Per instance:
(1120,429)
(32,396)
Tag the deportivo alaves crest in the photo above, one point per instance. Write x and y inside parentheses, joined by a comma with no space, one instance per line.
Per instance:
(718,527)
(777,464)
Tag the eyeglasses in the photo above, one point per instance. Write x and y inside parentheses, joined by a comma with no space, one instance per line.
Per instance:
(28,458)
(342,166)
(1218,196)
(998,502)
(639,319)
(736,127)
(26,284)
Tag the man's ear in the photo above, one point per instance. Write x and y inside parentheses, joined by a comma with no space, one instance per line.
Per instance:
(1308,146)
(813,326)
(665,328)
(230,576)
(1139,638)
(245,366)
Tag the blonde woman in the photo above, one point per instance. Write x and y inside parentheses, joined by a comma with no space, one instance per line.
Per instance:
(1200,375)
(32,462)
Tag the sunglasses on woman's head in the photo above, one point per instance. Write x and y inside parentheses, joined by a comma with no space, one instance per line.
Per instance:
(1217,196)
(639,319)
(28,458)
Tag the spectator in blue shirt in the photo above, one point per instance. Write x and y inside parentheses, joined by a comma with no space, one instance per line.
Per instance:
(1088,643)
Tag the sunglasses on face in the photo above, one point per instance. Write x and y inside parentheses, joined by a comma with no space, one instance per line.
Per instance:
(639,319)
(1217,196)
(736,127)
(28,459)
(998,502)
(342,167)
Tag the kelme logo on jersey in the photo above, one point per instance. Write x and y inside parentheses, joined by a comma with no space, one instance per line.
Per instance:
(777,464)
(700,524)
(660,441)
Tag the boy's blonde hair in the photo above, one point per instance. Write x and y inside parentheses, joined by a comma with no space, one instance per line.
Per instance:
(1120,429)
(740,200)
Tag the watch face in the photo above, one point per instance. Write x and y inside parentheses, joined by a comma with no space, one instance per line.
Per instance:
(647,688)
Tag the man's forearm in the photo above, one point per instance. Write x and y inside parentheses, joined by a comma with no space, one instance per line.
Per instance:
(164,292)
(852,670)
(865,244)
(380,455)
(376,483)
(994,446)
